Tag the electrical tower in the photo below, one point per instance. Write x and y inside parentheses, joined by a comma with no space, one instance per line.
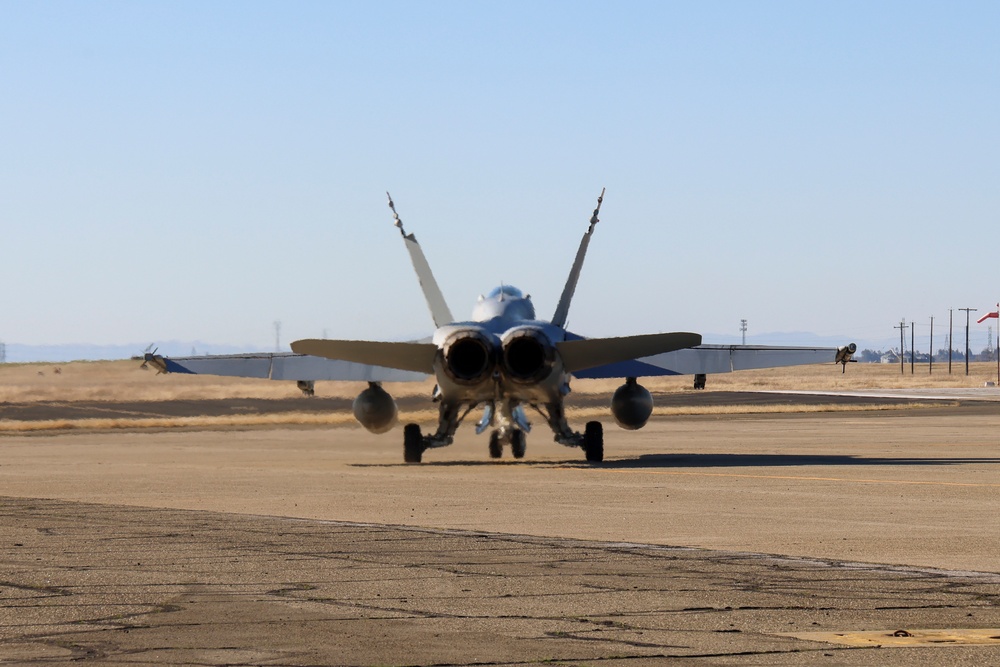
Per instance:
(277,335)
(743,330)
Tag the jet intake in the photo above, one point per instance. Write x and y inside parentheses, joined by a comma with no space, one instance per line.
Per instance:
(468,357)
(632,405)
(375,409)
(528,355)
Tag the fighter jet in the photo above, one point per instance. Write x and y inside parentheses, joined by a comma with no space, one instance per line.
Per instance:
(504,361)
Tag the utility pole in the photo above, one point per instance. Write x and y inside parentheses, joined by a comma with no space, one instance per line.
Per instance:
(951,338)
(743,330)
(902,327)
(277,335)
(930,359)
(967,311)
(913,333)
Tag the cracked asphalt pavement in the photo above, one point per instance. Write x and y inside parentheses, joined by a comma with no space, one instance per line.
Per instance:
(108,584)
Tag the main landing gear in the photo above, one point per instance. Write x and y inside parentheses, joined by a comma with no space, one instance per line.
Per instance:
(591,441)
(413,443)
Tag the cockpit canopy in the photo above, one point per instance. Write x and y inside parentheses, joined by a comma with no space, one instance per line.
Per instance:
(506,291)
(505,301)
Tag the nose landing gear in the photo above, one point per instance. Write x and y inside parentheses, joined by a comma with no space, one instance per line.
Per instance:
(518,443)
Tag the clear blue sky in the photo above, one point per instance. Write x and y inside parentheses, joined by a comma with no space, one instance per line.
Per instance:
(193,170)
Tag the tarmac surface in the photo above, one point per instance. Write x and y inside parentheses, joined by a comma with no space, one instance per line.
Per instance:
(859,538)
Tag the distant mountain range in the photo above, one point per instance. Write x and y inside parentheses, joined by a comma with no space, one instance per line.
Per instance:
(19,353)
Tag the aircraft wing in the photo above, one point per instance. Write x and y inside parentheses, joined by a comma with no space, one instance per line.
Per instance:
(281,366)
(705,359)
(584,353)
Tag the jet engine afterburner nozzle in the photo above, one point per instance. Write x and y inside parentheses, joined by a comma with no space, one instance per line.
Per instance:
(375,409)
(528,355)
(632,405)
(468,357)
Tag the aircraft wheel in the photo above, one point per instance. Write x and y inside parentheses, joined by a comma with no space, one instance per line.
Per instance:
(496,446)
(413,443)
(518,444)
(593,441)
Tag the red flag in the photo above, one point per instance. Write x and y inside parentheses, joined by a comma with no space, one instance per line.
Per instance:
(995,313)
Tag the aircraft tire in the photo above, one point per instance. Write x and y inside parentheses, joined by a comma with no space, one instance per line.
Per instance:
(496,447)
(593,441)
(518,444)
(413,443)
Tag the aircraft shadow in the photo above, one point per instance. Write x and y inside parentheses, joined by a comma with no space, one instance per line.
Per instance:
(687,460)
(783,460)
(483,462)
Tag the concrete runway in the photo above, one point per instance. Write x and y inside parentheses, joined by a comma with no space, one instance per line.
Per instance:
(710,538)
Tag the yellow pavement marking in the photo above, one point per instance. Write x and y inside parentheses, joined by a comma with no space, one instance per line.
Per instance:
(904,638)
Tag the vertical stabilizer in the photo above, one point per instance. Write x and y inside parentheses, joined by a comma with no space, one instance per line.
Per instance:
(432,293)
(562,310)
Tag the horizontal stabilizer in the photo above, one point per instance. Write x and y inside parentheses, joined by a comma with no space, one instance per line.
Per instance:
(417,357)
(578,355)
(280,366)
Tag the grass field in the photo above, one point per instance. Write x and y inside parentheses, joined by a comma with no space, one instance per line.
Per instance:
(125,381)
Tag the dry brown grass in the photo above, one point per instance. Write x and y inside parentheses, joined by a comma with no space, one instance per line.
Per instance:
(425,417)
(826,377)
(124,381)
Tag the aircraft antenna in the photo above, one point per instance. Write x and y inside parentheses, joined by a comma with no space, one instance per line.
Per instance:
(396,220)
(562,310)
